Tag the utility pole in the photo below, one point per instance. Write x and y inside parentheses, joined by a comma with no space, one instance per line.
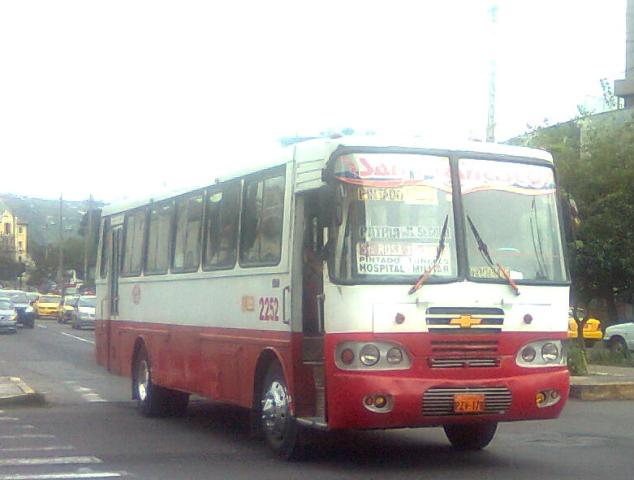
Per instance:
(492,75)
(60,267)
(88,241)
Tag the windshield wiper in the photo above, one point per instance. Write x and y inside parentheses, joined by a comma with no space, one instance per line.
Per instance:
(500,271)
(542,273)
(427,273)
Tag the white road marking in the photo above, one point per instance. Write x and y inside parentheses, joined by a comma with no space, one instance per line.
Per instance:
(41,326)
(93,397)
(9,419)
(86,393)
(62,476)
(37,449)
(21,462)
(26,435)
(78,338)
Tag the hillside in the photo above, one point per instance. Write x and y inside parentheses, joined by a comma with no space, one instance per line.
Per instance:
(42,216)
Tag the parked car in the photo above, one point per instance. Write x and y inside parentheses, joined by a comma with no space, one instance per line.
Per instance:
(66,310)
(47,306)
(591,330)
(32,296)
(620,338)
(26,313)
(84,312)
(8,316)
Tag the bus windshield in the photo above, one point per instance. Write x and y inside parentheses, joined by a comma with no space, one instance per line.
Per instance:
(513,208)
(390,212)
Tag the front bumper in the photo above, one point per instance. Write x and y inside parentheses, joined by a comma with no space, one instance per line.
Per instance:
(346,394)
(8,326)
(47,312)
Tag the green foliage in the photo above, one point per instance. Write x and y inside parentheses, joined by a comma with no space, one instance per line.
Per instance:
(577,363)
(595,162)
(603,356)
(9,268)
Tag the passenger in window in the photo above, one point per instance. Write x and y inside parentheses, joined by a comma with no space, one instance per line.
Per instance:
(269,239)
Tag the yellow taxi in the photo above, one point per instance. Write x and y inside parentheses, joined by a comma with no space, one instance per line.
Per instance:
(67,308)
(48,306)
(591,330)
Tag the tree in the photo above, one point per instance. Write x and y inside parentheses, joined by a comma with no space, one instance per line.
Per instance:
(9,268)
(595,161)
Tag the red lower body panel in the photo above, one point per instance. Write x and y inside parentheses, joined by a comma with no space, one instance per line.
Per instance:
(346,390)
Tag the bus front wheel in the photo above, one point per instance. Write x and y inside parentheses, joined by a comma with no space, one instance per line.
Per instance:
(152,400)
(281,432)
(470,437)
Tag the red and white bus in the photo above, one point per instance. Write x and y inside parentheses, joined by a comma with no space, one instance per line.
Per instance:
(354,283)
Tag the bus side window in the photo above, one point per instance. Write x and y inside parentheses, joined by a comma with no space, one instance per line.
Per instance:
(105,249)
(159,224)
(189,214)
(263,213)
(133,249)
(223,209)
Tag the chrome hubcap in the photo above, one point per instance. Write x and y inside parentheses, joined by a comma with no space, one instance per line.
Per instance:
(275,410)
(142,380)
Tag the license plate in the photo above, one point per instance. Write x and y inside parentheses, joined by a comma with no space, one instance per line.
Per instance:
(468,403)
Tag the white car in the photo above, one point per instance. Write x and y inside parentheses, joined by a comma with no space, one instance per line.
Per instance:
(8,316)
(620,338)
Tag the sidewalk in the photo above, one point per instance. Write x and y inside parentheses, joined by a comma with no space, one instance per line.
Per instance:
(604,383)
(13,391)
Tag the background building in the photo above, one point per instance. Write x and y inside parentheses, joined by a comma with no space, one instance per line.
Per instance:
(13,236)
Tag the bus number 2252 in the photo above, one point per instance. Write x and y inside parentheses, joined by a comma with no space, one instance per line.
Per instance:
(269,309)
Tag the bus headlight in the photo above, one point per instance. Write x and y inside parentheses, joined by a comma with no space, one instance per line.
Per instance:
(371,356)
(394,356)
(528,354)
(551,354)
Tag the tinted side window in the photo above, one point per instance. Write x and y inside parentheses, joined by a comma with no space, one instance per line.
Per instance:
(159,228)
(262,215)
(105,249)
(189,216)
(223,209)
(133,250)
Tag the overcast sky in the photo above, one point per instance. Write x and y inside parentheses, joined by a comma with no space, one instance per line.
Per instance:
(127,98)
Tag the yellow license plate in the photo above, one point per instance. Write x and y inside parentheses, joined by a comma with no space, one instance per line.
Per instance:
(468,403)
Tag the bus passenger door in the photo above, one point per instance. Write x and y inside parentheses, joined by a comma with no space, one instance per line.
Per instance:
(113,290)
(310,234)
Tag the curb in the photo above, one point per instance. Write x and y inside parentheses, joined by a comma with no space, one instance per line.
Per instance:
(22,394)
(603,391)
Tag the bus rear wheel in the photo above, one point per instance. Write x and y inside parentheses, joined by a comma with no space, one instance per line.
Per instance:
(470,437)
(152,400)
(280,430)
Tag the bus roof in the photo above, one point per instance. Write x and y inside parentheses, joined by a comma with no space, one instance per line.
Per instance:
(321,149)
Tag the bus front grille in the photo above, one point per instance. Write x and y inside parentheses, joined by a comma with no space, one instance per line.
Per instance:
(460,362)
(464,320)
(440,401)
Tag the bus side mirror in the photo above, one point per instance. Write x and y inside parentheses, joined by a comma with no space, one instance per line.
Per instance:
(571,219)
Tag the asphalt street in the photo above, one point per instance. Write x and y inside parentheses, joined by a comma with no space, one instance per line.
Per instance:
(90,429)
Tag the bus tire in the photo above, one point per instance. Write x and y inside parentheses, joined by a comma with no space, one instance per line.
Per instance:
(470,437)
(281,432)
(152,400)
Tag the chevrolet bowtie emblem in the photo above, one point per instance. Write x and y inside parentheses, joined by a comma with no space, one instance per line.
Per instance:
(465,321)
